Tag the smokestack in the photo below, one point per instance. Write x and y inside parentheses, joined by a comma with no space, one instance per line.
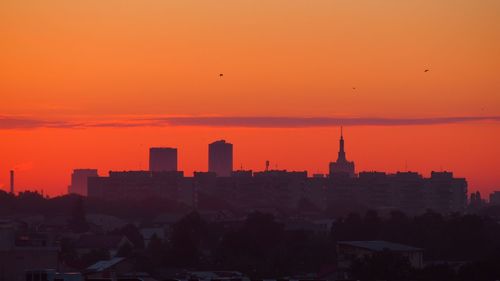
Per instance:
(12,181)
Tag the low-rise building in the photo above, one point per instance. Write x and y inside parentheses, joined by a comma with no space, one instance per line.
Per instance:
(349,251)
(19,252)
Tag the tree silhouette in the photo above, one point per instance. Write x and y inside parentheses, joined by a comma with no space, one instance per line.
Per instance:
(78,222)
(133,235)
(186,241)
(156,251)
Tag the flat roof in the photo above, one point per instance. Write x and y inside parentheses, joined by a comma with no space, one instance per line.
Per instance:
(379,245)
(105,264)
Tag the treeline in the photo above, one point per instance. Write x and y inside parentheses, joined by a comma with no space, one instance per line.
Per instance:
(259,247)
(457,247)
(30,203)
(456,237)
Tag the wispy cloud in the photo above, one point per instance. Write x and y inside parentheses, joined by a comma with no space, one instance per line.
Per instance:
(302,122)
(14,122)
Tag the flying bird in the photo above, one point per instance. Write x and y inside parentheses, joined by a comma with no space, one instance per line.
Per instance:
(221,74)
(427,70)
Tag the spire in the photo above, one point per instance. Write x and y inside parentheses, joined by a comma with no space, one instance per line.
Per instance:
(341,157)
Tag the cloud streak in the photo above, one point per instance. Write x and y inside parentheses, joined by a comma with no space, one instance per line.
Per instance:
(304,122)
(14,122)
(7,122)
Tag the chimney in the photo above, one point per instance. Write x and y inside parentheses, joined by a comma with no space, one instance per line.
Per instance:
(12,181)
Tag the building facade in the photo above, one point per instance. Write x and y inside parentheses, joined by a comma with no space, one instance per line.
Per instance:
(342,165)
(162,159)
(20,252)
(220,158)
(79,179)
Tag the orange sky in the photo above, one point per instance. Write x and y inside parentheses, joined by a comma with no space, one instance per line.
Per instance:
(102,61)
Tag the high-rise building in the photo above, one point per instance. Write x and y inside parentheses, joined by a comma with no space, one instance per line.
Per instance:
(162,159)
(220,158)
(342,166)
(494,198)
(12,181)
(79,179)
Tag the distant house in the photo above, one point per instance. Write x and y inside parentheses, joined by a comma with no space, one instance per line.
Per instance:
(115,269)
(109,268)
(111,243)
(19,252)
(348,251)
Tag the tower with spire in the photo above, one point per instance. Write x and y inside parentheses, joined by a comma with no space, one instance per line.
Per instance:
(342,165)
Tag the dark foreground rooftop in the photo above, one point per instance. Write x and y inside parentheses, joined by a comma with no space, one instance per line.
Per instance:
(379,245)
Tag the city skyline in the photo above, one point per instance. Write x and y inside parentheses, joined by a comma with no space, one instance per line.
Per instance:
(337,153)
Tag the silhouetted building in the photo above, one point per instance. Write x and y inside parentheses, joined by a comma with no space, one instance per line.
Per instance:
(279,175)
(352,251)
(22,251)
(220,158)
(446,194)
(342,166)
(280,189)
(114,268)
(12,181)
(205,178)
(136,185)
(242,173)
(409,192)
(476,202)
(494,198)
(79,179)
(405,191)
(162,159)
(246,190)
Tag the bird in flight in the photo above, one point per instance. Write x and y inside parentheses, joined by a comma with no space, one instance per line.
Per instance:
(221,74)
(427,70)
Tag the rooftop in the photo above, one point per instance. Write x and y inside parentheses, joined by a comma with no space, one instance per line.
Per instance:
(105,264)
(378,246)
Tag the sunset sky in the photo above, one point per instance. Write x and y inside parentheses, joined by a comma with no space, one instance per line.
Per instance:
(94,84)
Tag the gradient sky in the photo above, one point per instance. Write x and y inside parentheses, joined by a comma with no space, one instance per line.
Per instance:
(93,84)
